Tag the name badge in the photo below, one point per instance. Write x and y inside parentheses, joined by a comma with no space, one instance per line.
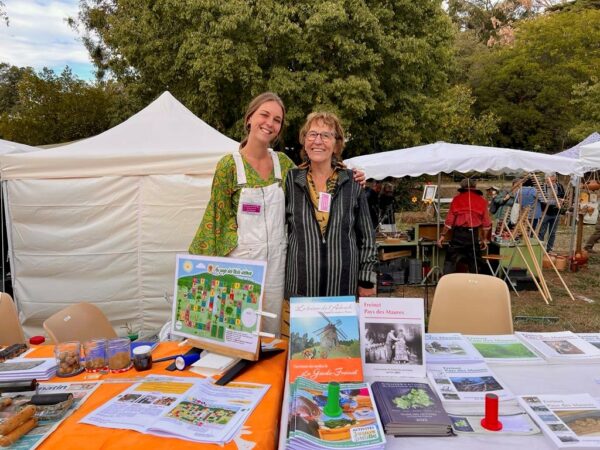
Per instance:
(324,202)
(250,208)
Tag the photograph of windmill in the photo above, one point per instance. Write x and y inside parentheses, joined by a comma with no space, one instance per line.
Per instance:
(324,336)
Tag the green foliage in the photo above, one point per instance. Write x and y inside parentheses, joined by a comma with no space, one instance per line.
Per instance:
(381,65)
(529,85)
(586,102)
(46,108)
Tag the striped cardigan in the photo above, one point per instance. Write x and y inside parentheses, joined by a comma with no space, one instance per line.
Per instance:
(332,264)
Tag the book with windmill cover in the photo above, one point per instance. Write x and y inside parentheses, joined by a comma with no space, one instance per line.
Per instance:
(324,339)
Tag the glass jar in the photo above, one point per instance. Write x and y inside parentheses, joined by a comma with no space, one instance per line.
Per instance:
(68,358)
(118,352)
(142,358)
(94,352)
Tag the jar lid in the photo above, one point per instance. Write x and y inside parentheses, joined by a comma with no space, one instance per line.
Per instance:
(37,340)
(142,350)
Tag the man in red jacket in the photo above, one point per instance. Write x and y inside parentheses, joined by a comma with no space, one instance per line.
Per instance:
(469,220)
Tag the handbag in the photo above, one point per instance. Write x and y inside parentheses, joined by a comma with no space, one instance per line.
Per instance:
(515,210)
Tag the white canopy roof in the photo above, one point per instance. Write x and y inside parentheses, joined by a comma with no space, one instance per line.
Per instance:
(443,157)
(590,156)
(163,138)
(13,147)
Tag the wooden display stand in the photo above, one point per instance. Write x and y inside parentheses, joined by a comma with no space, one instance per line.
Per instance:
(226,350)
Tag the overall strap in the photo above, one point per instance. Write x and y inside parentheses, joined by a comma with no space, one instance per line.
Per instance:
(239,167)
(276,165)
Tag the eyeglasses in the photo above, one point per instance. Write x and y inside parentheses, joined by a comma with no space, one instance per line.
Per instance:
(326,136)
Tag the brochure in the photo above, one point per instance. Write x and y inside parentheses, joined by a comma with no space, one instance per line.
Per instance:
(324,340)
(409,408)
(184,408)
(81,391)
(504,349)
(357,427)
(592,338)
(570,421)
(450,348)
(513,424)
(391,331)
(465,386)
(217,301)
(561,347)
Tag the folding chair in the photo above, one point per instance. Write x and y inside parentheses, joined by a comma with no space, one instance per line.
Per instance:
(11,331)
(471,304)
(79,322)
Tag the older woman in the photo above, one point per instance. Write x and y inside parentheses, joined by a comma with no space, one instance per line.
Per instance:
(331,241)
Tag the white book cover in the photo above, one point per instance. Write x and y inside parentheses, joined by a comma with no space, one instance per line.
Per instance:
(504,349)
(562,346)
(450,348)
(392,331)
(466,384)
(570,421)
(592,338)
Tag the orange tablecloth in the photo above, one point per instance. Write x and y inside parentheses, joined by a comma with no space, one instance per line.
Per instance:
(263,424)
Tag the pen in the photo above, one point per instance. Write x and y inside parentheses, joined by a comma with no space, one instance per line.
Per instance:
(166,358)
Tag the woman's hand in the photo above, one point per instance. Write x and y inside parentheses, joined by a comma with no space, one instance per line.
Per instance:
(360,177)
(366,292)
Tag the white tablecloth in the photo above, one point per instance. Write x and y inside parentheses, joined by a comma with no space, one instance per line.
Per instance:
(525,379)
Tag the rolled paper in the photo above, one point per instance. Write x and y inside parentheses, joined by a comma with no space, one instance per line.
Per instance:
(332,408)
(181,362)
(490,421)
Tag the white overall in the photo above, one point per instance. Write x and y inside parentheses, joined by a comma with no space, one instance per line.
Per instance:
(261,235)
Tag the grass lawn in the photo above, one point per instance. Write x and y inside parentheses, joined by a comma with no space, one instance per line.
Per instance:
(579,315)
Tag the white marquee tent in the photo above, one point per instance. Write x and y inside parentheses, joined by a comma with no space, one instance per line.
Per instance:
(100,220)
(590,156)
(441,157)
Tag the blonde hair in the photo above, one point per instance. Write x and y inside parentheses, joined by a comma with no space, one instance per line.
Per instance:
(253,107)
(332,121)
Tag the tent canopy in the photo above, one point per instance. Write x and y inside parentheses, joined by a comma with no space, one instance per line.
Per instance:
(163,138)
(432,159)
(590,156)
(101,220)
(13,147)
(574,152)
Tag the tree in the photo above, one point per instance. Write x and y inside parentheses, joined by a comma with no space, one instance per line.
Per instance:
(376,63)
(586,102)
(529,85)
(47,108)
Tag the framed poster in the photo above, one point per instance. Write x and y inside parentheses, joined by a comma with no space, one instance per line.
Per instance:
(217,303)
(429,193)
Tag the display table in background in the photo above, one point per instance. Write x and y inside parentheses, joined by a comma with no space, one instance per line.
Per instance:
(262,426)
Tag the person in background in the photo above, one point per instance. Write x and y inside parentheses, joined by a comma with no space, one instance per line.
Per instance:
(331,241)
(552,209)
(372,193)
(469,220)
(245,215)
(527,196)
(387,204)
(589,244)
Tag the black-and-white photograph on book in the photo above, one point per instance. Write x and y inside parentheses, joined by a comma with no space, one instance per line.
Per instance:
(392,336)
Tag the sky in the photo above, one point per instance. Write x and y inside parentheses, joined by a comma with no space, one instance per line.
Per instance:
(39,36)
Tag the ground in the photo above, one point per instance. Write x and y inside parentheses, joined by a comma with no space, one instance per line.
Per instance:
(580,315)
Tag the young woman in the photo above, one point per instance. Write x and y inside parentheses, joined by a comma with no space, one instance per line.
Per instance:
(245,215)
(331,241)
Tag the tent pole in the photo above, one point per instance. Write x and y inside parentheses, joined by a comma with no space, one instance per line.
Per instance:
(2,227)
(575,213)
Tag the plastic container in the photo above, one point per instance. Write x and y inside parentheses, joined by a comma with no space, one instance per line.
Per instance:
(94,352)
(142,358)
(68,358)
(118,353)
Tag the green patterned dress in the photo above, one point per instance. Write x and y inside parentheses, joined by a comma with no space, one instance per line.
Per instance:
(217,233)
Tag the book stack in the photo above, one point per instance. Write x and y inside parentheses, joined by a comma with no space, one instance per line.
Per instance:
(562,347)
(211,364)
(356,427)
(27,369)
(504,349)
(450,348)
(411,409)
